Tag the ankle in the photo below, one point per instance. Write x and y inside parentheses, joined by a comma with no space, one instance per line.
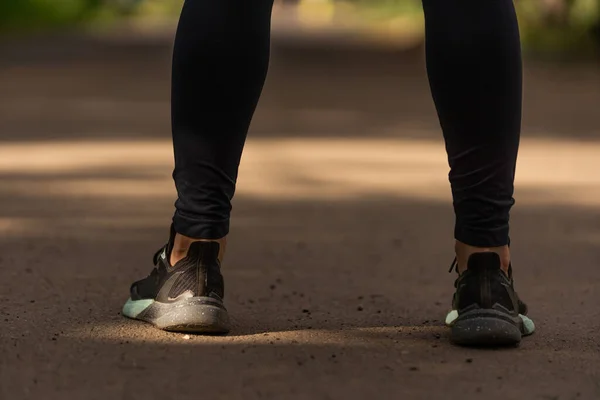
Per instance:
(181,245)
(464,251)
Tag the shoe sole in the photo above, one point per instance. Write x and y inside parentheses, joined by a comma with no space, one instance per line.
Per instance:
(486,328)
(192,315)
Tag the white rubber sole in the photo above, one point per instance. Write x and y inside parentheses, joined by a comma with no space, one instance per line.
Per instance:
(192,315)
(528,324)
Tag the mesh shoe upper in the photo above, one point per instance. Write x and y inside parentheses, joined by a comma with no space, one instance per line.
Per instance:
(485,285)
(198,274)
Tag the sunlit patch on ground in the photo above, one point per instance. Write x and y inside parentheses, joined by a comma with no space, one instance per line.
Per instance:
(106,173)
(136,332)
(308,168)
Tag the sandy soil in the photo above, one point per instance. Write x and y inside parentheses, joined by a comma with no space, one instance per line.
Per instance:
(341,239)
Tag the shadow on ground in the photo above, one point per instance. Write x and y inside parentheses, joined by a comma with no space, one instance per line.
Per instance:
(331,298)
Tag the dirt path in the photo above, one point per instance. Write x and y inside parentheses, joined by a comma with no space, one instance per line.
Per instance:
(341,237)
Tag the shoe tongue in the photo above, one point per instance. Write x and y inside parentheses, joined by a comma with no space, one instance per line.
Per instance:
(205,251)
(487,261)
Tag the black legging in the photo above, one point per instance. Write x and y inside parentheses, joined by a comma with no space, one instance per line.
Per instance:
(474,64)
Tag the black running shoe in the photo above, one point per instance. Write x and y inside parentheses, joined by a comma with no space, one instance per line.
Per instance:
(186,297)
(486,309)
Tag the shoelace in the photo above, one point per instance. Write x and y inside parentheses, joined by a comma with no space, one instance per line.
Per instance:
(154,272)
(157,255)
(454,266)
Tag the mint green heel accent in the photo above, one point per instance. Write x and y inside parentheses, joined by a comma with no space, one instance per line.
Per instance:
(451,317)
(528,325)
(133,308)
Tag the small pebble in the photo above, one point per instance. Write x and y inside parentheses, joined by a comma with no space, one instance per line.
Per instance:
(186,337)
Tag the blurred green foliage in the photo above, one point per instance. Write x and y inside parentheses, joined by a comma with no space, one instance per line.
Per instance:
(567,27)
(32,14)
(563,27)
(383,9)
(547,26)
(28,15)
